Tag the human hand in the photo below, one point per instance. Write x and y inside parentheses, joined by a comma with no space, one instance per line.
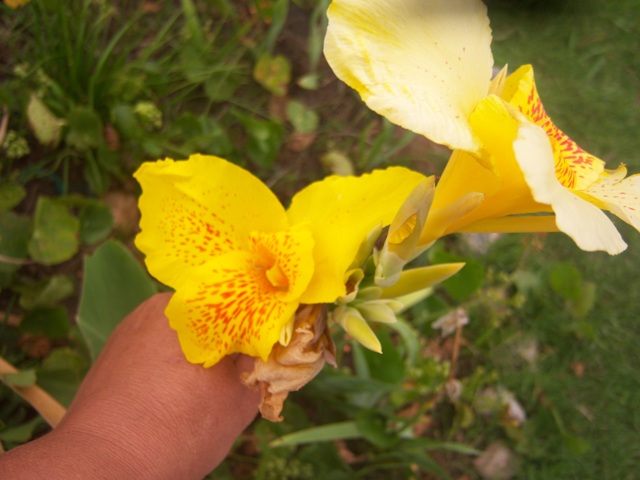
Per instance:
(143,411)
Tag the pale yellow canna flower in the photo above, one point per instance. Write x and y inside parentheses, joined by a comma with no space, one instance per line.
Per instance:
(427,66)
(240,264)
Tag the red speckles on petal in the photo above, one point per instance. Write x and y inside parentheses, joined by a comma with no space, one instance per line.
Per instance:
(241,300)
(575,168)
(619,195)
(192,233)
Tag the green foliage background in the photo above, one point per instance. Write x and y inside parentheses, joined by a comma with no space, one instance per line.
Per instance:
(90,89)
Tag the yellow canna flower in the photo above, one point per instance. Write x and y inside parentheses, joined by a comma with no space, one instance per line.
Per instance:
(240,264)
(427,66)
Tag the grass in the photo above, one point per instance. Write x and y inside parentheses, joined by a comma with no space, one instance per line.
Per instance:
(194,63)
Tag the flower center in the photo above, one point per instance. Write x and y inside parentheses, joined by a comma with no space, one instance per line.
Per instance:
(283,262)
(277,278)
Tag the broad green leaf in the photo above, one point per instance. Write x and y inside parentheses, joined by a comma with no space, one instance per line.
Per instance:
(11,194)
(21,379)
(85,128)
(324,433)
(45,125)
(273,73)
(51,322)
(114,284)
(55,233)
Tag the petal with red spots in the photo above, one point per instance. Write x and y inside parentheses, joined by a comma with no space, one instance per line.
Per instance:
(197,209)
(240,301)
(620,196)
(575,168)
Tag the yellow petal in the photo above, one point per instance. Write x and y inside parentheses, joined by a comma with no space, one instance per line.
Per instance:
(620,196)
(495,125)
(513,224)
(355,325)
(379,311)
(420,278)
(404,232)
(231,304)
(423,64)
(197,209)
(574,167)
(474,189)
(584,222)
(450,218)
(410,219)
(341,212)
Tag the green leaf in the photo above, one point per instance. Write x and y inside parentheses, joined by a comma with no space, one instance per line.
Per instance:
(126,122)
(428,444)
(23,378)
(51,322)
(220,86)
(410,337)
(310,81)
(11,194)
(389,365)
(302,118)
(273,73)
(55,233)
(61,374)
(114,284)
(565,279)
(265,139)
(46,293)
(15,231)
(85,128)
(324,433)
(45,125)
(96,222)
(21,433)
(373,427)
